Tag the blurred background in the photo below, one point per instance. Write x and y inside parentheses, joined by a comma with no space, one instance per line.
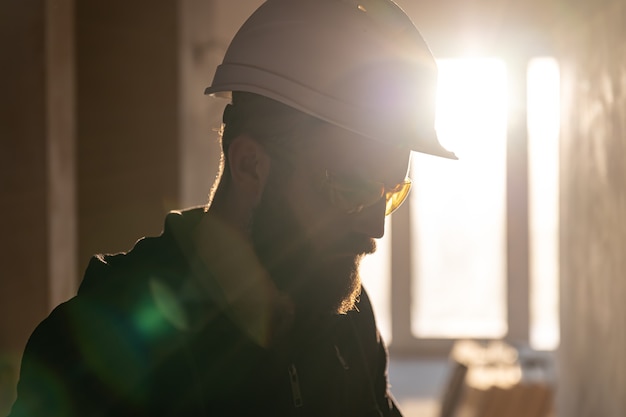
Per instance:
(104,129)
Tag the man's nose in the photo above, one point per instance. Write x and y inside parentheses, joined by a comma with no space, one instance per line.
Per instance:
(370,221)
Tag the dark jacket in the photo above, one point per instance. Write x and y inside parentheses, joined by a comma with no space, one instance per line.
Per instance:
(152,332)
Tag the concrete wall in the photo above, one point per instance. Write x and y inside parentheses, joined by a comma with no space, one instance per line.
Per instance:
(593,213)
(127,121)
(23,171)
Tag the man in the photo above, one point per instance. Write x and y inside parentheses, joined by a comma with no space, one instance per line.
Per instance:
(253,304)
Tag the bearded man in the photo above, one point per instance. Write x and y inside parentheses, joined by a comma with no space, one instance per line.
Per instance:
(253,305)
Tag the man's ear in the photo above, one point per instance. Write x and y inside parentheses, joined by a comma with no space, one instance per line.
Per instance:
(249,166)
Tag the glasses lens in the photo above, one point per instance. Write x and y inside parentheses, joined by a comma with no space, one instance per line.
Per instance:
(396,196)
(352,195)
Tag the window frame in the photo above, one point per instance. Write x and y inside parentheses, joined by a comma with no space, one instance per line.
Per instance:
(517,279)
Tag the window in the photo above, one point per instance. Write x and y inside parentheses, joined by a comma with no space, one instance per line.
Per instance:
(543,151)
(458,208)
(456,271)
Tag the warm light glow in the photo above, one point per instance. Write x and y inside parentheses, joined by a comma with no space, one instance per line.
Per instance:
(471,105)
(458,208)
(458,211)
(543,170)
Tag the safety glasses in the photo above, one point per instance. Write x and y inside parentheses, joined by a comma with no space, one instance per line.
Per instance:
(353,195)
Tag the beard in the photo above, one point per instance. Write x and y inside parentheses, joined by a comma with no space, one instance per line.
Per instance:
(318,281)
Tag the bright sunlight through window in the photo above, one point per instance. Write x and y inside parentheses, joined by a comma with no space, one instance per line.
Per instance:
(458,208)
(543,154)
(458,211)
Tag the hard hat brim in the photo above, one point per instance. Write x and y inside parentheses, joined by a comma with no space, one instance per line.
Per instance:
(228,79)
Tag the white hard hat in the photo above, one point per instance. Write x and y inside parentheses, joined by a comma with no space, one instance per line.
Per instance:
(358,64)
